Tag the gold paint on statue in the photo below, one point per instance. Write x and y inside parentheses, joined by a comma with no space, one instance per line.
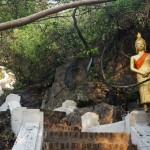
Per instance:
(140,64)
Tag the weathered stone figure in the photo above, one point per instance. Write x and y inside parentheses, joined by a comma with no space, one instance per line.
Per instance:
(140,64)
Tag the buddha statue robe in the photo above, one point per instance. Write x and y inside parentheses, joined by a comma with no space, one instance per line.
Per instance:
(143,64)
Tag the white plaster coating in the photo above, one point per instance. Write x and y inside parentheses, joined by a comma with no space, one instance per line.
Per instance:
(29,124)
(127,122)
(113,127)
(13,104)
(31,116)
(39,141)
(68,106)
(60,109)
(137,123)
(30,119)
(144,133)
(69,103)
(26,123)
(16,119)
(137,140)
(13,97)
(66,110)
(4,106)
(9,98)
(70,109)
(26,139)
(35,116)
(89,119)
(138,117)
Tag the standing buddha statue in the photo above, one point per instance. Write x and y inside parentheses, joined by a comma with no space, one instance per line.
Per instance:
(140,64)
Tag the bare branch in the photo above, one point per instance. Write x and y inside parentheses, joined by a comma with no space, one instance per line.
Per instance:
(53,10)
(78,30)
(112,85)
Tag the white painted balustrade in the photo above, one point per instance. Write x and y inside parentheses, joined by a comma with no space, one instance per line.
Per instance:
(68,106)
(27,124)
(26,139)
(11,101)
(88,120)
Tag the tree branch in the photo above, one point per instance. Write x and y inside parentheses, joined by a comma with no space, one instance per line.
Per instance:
(53,10)
(78,30)
(112,85)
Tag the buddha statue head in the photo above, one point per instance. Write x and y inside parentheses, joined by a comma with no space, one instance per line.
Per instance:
(140,43)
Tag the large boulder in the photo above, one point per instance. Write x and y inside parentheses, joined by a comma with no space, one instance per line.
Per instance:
(71,82)
(108,113)
(74,119)
(67,78)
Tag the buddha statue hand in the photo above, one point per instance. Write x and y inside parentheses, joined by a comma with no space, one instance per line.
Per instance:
(145,74)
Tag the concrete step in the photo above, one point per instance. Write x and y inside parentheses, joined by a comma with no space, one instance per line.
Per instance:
(53,116)
(61,136)
(60,127)
(84,146)
(57,114)
(86,137)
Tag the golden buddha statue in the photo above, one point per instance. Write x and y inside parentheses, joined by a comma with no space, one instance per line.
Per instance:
(140,64)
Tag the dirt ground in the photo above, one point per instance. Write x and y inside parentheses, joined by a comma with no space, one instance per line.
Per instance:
(7,138)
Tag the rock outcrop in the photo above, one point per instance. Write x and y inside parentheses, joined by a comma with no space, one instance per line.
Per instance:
(71,82)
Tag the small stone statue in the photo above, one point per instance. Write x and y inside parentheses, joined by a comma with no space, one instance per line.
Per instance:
(140,64)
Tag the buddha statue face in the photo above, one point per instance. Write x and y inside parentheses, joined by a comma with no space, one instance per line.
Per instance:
(140,44)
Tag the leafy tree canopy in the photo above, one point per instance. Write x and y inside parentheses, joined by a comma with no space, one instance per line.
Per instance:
(35,50)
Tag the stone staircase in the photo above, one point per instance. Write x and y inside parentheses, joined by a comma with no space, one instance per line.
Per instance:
(61,136)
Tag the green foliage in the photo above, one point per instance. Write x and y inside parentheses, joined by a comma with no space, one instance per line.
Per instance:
(133,96)
(34,51)
(104,23)
(86,53)
(93,74)
(24,40)
(13,9)
(31,58)
(19,85)
(109,76)
(9,135)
